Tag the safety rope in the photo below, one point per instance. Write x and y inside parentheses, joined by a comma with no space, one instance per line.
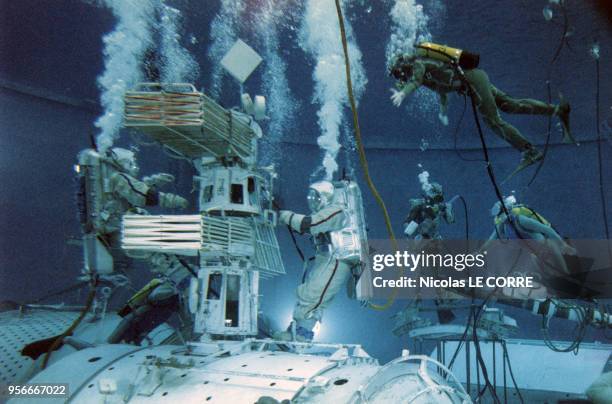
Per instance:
(362,156)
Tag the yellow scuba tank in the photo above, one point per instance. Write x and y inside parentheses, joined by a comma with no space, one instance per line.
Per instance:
(522,210)
(140,297)
(530,213)
(465,59)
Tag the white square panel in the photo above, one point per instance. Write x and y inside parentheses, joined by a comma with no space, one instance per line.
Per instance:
(241,61)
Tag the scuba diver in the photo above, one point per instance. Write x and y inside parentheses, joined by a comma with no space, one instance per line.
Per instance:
(445,70)
(157,301)
(423,222)
(330,270)
(426,214)
(524,223)
(107,190)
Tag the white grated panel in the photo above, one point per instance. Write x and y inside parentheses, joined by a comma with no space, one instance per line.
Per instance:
(17,330)
(178,234)
(267,254)
(228,236)
(187,121)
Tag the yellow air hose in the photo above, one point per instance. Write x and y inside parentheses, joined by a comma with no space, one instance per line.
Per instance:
(362,156)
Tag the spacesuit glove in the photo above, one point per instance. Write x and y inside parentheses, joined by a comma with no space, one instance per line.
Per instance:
(159,179)
(397,97)
(285,216)
(172,201)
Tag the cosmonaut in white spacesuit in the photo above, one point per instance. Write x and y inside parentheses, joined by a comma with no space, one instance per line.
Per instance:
(108,188)
(329,272)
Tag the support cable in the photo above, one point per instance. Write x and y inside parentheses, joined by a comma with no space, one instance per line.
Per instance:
(362,156)
(58,341)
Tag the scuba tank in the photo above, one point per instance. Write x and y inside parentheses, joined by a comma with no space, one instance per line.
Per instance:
(522,210)
(465,59)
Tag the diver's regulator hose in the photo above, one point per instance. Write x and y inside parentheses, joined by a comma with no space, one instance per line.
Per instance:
(362,156)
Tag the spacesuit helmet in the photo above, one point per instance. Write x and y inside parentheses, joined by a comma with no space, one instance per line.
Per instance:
(126,159)
(320,195)
(509,202)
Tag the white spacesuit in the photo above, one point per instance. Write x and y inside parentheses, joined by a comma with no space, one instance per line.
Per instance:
(329,272)
(107,190)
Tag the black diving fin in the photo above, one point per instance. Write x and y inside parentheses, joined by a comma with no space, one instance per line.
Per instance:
(41,347)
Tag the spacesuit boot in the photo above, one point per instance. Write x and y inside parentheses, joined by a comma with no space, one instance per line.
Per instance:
(296,331)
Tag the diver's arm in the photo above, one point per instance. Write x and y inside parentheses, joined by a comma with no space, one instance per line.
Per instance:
(443,103)
(411,222)
(405,89)
(327,219)
(414,213)
(418,73)
(449,214)
(137,193)
(442,115)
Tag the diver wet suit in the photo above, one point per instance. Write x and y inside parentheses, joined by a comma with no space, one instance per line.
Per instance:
(148,308)
(445,70)
(426,214)
(520,222)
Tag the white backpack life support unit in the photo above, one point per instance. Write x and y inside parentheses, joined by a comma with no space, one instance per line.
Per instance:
(90,188)
(351,242)
(92,185)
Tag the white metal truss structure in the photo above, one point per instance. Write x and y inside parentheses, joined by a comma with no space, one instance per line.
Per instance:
(187,121)
(233,234)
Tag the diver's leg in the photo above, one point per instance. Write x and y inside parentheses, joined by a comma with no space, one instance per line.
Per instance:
(535,107)
(487,106)
(528,106)
(550,257)
(485,100)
